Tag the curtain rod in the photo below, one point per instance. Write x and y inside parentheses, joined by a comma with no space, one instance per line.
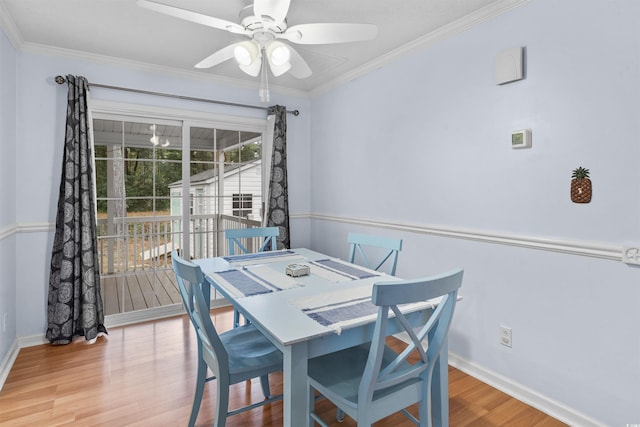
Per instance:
(60,80)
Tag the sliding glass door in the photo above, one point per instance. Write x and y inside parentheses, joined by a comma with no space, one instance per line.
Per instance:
(166,185)
(136,161)
(225,186)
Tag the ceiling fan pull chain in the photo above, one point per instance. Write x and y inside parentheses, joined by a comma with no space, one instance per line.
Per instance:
(264,80)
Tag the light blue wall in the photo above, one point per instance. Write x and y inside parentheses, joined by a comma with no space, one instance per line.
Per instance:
(7,195)
(438,123)
(426,141)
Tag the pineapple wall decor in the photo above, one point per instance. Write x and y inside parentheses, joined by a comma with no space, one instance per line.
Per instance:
(580,186)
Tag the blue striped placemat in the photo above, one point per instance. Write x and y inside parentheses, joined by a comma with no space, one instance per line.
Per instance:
(344,269)
(342,313)
(243,283)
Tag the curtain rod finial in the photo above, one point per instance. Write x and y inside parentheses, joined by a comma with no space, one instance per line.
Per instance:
(296,113)
(60,80)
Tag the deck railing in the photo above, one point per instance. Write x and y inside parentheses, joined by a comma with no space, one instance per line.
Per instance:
(138,243)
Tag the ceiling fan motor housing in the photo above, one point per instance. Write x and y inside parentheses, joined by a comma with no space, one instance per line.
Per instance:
(260,24)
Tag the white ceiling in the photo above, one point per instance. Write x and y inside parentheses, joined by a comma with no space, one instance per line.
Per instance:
(120,31)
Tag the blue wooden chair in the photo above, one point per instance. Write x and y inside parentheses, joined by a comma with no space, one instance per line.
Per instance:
(234,356)
(391,247)
(370,382)
(235,237)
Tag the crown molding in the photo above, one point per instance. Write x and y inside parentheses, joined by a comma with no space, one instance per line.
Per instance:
(9,27)
(449,30)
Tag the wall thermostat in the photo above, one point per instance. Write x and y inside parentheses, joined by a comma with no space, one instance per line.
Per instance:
(521,138)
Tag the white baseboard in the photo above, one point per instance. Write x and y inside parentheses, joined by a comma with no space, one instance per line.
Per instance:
(32,340)
(7,362)
(530,397)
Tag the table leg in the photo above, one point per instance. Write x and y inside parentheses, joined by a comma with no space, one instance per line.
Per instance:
(440,388)
(296,405)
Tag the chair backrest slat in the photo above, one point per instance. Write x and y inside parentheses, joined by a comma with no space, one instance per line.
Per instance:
(389,254)
(270,235)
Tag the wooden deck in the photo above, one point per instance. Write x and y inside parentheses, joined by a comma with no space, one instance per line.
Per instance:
(139,291)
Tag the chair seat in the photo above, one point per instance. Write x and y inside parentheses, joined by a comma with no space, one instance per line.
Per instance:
(341,372)
(250,353)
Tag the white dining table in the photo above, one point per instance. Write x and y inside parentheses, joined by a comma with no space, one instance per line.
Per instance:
(278,314)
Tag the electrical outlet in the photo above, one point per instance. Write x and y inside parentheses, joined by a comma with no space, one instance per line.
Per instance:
(631,255)
(505,336)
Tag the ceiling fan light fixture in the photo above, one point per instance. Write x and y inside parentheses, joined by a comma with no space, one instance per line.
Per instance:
(246,53)
(280,55)
(253,69)
(242,55)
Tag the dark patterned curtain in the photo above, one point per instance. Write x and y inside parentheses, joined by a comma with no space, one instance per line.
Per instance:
(278,208)
(75,301)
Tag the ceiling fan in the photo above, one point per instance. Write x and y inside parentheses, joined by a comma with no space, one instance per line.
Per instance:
(265,23)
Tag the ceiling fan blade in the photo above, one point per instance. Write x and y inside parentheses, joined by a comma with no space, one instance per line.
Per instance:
(276,9)
(321,33)
(196,17)
(299,67)
(218,57)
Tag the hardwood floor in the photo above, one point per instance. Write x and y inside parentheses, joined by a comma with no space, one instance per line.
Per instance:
(143,375)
